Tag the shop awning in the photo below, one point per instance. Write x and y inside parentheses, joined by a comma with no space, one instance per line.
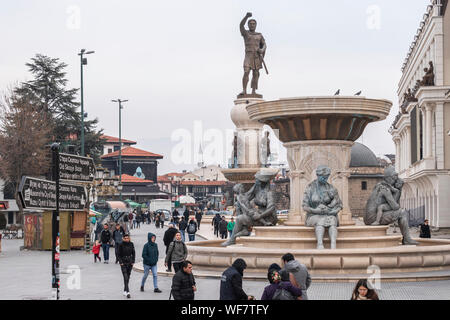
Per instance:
(132,203)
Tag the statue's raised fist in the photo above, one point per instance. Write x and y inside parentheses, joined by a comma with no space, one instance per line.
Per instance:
(248,15)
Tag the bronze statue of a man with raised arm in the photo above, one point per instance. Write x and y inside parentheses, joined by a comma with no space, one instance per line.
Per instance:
(255,49)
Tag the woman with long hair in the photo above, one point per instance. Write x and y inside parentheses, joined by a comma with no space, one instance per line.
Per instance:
(362,291)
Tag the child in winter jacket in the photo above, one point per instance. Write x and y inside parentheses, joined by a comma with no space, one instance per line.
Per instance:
(96,251)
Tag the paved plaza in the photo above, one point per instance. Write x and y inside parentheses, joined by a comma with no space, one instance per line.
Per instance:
(27,275)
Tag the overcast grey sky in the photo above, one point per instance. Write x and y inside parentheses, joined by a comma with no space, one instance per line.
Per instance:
(180,61)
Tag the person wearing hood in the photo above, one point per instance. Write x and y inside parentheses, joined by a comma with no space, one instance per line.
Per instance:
(150,255)
(127,257)
(300,276)
(231,282)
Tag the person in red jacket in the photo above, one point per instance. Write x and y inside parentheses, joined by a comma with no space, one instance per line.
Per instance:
(96,251)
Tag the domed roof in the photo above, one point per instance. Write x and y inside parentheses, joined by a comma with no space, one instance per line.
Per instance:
(362,156)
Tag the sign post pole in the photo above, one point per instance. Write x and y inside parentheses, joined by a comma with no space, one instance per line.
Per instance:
(55,225)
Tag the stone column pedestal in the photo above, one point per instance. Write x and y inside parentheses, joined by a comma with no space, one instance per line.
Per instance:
(304,157)
(249,134)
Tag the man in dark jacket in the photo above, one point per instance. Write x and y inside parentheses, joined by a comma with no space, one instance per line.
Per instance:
(198,217)
(169,235)
(117,236)
(127,257)
(425,230)
(182,226)
(183,283)
(186,214)
(150,255)
(223,228)
(215,222)
(231,282)
(176,216)
(105,239)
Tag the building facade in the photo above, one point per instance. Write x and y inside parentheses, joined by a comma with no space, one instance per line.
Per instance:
(135,162)
(421,128)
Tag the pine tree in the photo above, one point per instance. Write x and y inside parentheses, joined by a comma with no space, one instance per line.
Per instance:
(49,93)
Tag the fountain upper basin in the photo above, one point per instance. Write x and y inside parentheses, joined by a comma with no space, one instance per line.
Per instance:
(319,118)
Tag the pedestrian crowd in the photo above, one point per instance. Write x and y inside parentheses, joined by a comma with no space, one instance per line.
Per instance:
(290,281)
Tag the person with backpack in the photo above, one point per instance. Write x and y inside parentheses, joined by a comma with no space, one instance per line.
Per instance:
(192,229)
(223,224)
(231,282)
(117,237)
(300,275)
(281,288)
(177,253)
(182,227)
(150,256)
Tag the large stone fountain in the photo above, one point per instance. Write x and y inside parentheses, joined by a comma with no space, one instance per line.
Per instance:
(321,131)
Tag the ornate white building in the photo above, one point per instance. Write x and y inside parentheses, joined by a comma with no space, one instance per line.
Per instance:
(420,130)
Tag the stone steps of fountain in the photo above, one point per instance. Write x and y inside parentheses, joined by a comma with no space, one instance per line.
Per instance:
(311,243)
(308,232)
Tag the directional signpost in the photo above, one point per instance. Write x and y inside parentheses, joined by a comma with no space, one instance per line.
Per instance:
(42,194)
(76,168)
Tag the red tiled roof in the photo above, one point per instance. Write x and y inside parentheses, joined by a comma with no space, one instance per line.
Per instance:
(176,174)
(132,152)
(163,179)
(110,139)
(203,183)
(127,178)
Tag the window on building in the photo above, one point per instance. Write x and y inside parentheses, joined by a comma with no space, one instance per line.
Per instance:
(110,150)
(363,185)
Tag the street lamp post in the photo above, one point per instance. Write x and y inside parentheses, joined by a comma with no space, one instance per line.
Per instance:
(83,62)
(120,141)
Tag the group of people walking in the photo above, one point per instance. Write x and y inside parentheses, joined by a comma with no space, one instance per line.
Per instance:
(290,281)
(222,228)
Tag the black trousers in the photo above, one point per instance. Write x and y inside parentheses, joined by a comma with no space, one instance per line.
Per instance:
(116,251)
(97,256)
(223,235)
(169,262)
(126,272)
